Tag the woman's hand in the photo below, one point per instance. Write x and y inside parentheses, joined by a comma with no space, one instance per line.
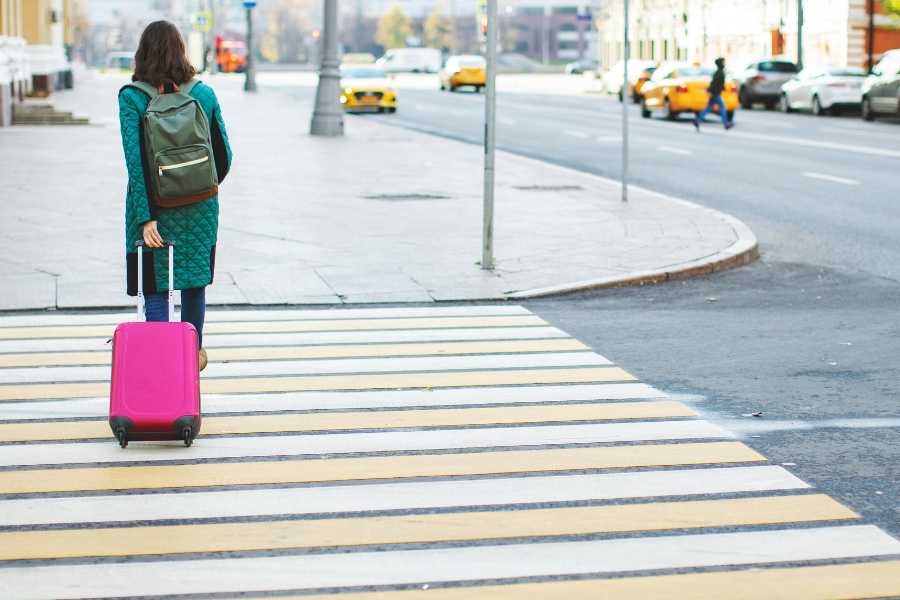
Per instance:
(152,239)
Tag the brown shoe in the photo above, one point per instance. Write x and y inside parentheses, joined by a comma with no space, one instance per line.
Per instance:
(203,359)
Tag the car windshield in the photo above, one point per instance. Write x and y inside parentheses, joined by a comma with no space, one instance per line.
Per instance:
(695,71)
(777,66)
(362,73)
(471,61)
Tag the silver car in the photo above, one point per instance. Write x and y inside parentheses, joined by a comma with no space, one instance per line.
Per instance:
(821,91)
(761,81)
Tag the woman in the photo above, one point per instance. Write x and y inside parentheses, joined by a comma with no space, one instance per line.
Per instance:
(161,62)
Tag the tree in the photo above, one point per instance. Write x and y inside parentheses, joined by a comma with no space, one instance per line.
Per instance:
(438,30)
(891,7)
(393,28)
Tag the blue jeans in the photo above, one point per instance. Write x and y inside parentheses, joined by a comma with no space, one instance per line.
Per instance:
(193,308)
(715,101)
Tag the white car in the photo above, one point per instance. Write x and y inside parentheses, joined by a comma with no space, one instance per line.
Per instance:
(824,90)
(613,79)
(411,60)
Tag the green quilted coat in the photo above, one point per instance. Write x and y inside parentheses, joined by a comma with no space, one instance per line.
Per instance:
(193,227)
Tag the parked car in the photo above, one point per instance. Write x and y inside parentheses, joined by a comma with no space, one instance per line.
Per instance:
(881,89)
(366,88)
(637,93)
(411,60)
(358,58)
(463,70)
(761,81)
(680,87)
(613,78)
(581,66)
(830,89)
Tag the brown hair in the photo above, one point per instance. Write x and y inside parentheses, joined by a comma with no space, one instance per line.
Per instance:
(161,57)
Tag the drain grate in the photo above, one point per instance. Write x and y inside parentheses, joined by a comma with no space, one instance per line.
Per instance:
(406,197)
(548,188)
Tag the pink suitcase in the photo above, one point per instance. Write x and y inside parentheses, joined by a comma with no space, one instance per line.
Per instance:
(155,389)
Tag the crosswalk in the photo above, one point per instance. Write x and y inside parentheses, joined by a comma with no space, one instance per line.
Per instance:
(400,453)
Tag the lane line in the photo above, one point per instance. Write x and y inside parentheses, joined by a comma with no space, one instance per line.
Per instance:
(428,528)
(880,579)
(338,421)
(63,331)
(608,138)
(285,339)
(336,499)
(84,453)
(36,391)
(231,403)
(577,134)
(372,468)
(102,357)
(831,178)
(450,564)
(674,150)
(220,370)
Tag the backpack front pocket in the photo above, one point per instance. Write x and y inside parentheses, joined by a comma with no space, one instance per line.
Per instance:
(184,172)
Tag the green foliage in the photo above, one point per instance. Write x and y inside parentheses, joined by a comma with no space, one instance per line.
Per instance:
(891,7)
(393,28)
(438,29)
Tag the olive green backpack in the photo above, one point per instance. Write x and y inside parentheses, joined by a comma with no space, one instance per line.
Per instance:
(177,147)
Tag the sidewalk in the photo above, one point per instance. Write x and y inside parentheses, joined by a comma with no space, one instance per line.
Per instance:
(381,215)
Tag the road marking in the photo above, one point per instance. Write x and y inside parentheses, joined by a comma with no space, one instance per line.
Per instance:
(373,381)
(312,571)
(879,579)
(348,498)
(303,339)
(506,121)
(220,370)
(609,138)
(795,141)
(288,326)
(831,178)
(345,443)
(428,528)
(674,150)
(507,462)
(578,134)
(338,421)
(218,316)
(231,403)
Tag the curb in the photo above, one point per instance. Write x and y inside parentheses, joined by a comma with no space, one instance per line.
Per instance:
(742,252)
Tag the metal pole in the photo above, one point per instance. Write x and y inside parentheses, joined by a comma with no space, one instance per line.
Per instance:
(625,96)
(328,116)
(800,34)
(546,31)
(250,70)
(870,36)
(490,114)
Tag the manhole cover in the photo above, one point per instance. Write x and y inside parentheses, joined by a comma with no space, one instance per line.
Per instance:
(406,197)
(548,188)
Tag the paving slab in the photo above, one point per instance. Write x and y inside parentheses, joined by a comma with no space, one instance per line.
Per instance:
(383,214)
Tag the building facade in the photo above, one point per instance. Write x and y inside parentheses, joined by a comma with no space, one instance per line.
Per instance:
(835,32)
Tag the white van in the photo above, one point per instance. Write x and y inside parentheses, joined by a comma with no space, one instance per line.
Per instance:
(411,60)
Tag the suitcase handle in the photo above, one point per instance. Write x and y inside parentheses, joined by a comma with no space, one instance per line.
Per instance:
(140,277)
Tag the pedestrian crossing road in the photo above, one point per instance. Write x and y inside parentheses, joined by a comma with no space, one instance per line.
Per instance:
(400,453)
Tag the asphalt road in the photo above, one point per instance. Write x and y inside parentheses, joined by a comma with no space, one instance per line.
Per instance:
(809,336)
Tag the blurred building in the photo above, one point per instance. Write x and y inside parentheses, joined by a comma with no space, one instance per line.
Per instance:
(835,32)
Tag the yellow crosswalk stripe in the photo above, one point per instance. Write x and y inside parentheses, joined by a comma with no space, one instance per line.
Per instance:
(335,421)
(830,582)
(25,481)
(47,359)
(78,331)
(317,533)
(35,391)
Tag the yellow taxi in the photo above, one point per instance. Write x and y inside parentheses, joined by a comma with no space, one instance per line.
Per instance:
(367,88)
(679,87)
(642,80)
(464,70)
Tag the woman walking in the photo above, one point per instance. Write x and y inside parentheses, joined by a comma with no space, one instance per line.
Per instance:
(190,222)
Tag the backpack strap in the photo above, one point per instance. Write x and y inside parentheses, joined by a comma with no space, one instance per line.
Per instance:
(142,86)
(187,87)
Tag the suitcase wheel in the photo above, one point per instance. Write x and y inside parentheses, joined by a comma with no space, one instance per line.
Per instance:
(122,436)
(186,436)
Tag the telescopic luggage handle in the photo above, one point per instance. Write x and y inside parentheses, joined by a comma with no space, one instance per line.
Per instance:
(140,278)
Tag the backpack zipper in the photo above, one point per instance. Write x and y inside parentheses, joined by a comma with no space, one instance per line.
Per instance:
(197,161)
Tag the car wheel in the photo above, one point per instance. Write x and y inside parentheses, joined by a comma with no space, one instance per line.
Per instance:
(784,104)
(392,109)
(867,113)
(645,112)
(443,87)
(452,88)
(636,99)
(621,97)
(771,105)
(817,107)
(671,115)
(744,98)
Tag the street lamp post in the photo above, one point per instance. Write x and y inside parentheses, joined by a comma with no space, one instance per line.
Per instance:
(328,116)
(250,69)
(800,34)
(626,50)
(490,118)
